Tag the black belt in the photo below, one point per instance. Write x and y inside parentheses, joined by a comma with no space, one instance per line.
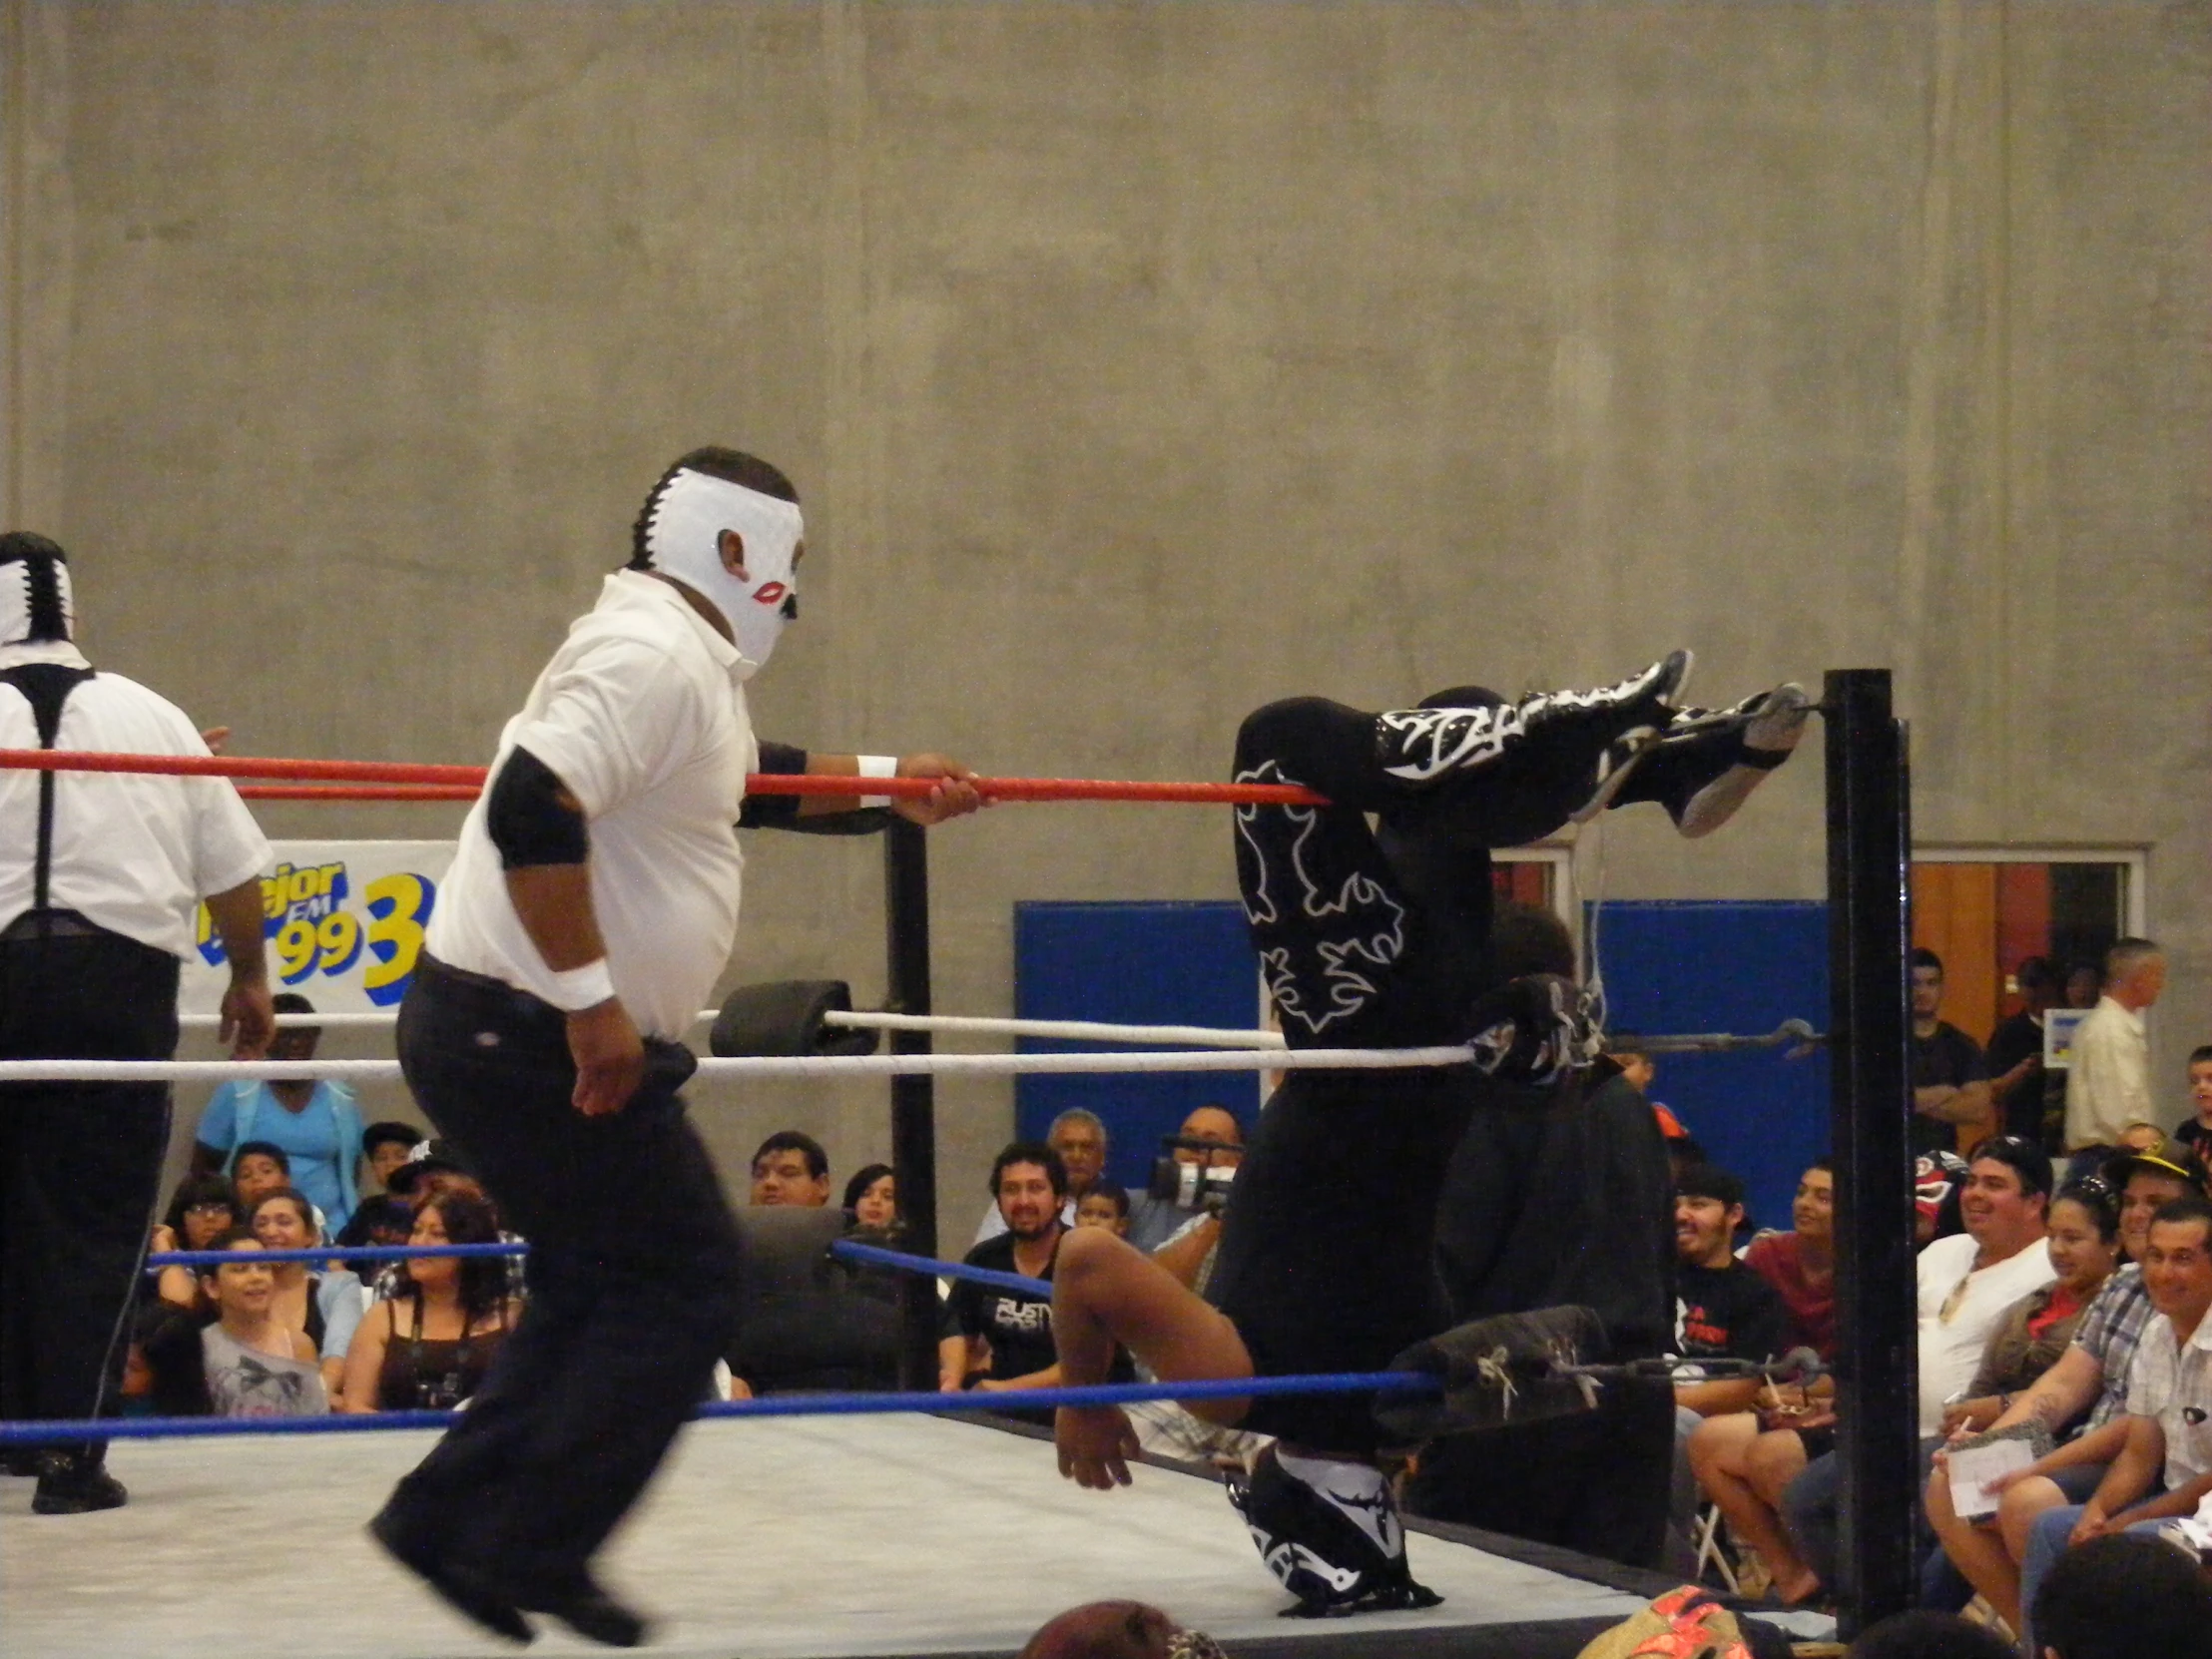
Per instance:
(53,925)
(489,996)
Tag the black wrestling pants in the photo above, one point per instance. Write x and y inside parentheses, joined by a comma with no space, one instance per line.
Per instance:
(633,1284)
(80,1163)
(1373,936)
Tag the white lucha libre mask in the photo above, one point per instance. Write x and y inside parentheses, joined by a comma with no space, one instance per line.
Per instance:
(684,540)
(35,602)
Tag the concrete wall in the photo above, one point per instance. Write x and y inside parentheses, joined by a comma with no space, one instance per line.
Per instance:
(1139,363)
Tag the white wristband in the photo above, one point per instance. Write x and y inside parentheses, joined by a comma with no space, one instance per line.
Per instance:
(578,988)
(878,766)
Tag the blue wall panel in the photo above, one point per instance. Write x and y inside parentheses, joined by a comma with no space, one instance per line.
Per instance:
(1669,966)
(1678,965)
(1145,963)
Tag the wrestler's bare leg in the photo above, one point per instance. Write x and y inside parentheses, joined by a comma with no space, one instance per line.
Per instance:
(1106,1292)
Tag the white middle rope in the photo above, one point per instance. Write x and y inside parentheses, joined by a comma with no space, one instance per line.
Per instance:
(859,1065)
(869,1019)
(1071,1030)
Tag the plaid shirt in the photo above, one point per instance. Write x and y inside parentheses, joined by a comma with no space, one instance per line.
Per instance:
(2109,1333)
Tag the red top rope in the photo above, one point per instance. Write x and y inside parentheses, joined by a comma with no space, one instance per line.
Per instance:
(405,781)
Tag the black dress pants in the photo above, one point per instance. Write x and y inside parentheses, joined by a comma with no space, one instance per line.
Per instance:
(80,1164)
(634,1276)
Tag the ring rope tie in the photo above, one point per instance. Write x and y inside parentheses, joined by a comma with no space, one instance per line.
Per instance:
(465,781)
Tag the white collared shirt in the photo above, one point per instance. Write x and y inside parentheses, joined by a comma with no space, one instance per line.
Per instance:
(1959,1306)
(641,714)
(2108,1082)
(2173,1382)
(133,852)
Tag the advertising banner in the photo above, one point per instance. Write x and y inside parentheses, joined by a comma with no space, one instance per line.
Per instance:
(343,921)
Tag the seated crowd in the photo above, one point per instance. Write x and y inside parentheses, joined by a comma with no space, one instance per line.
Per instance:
(303,1337)
(2062,1320)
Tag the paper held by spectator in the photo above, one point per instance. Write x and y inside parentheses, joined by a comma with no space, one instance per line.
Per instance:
(2059,1036)
(1973,1467)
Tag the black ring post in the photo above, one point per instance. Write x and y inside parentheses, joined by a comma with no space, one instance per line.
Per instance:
(913,1099)
(1877,1355)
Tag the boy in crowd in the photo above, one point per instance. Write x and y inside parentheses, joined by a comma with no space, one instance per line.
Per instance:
(2195,1133)
(1105,1205)
(257,1169)
(382,1216)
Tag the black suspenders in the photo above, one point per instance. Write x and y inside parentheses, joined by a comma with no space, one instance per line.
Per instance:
(46,687)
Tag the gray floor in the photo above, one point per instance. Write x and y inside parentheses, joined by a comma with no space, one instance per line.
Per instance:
(793,1537)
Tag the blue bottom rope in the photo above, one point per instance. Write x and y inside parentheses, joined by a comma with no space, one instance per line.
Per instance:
(57,1432)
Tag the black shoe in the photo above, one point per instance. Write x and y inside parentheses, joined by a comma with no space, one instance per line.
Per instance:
(586,1608)
(23,1462)
(1705,766)
(72,1484)
(459,1588)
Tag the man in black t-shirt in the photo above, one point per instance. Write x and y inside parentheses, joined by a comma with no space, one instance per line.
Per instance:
(1721,1311)
(1951,1082)
(2026,1103)
(997,1338)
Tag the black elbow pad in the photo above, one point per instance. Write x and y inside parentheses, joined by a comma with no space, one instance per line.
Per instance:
(527,820)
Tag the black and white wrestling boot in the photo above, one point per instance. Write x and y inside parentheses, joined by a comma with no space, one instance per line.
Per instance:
(1443,740)
(1706,762)
(1330,1531)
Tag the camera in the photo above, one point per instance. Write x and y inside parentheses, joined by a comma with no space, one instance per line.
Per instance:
(1200,1186)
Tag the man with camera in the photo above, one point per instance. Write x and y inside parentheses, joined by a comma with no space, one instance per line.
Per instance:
(1190,1179)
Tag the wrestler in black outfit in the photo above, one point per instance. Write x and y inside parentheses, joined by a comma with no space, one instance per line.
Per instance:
(1379,936)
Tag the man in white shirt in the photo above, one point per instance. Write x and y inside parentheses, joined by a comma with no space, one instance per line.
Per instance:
(2169,1404)
(101,875)
(2109,1083)
(591,905)
(1967,1282)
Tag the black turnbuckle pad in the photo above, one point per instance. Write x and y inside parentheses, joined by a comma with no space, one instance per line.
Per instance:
(785,1017)
(1507,1368)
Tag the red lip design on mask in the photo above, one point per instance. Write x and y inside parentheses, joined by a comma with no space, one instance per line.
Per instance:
(768,593)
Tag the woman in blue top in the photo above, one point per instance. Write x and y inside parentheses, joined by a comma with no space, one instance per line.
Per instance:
(317,1124)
